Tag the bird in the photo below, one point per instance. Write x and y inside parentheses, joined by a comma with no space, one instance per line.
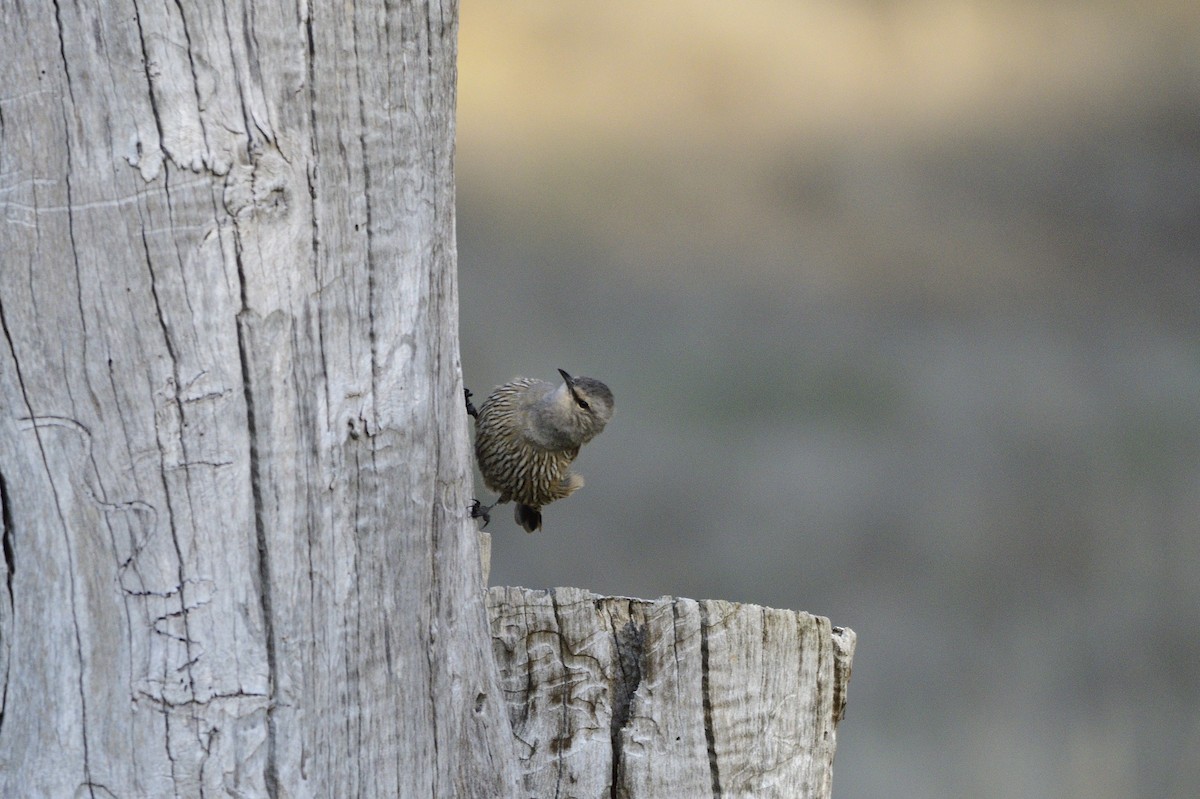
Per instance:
(527,433)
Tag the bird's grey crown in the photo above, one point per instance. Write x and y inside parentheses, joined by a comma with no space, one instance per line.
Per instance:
(595,390)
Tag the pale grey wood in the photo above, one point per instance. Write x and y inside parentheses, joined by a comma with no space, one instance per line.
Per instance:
(485,555)
(618,697)
(233,451)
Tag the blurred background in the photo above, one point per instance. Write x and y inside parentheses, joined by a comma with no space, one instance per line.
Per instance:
(900,302)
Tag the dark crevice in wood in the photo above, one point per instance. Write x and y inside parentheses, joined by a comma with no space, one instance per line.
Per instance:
(565,730)
(372,423)
(6,541)
(714,769)
(10,567)
(196,83)
(9,552)
(271,775)
(630,648)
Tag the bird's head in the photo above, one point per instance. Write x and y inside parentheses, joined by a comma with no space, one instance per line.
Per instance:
(584,406)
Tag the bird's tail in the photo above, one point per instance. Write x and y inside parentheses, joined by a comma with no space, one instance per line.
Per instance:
(568,485)
(528,517)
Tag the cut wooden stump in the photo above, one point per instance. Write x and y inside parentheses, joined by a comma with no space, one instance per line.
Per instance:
(619,697)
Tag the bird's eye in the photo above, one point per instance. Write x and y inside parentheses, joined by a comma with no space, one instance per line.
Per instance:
(582,403)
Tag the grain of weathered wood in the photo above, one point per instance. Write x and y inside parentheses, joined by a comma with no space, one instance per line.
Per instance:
(233,452)
(632,698)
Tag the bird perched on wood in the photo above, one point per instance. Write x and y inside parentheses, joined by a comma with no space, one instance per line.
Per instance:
(527,433)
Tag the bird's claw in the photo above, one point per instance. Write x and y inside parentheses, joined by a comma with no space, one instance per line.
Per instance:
(470,409)
(481,511)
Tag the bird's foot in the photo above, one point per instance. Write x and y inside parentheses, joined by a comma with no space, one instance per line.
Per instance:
(481,511)
(470,409)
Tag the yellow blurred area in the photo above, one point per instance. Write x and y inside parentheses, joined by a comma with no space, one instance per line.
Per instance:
(838,146)
(544,79)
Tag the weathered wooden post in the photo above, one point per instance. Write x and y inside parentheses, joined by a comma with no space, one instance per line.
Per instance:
(234,461)
(233,453)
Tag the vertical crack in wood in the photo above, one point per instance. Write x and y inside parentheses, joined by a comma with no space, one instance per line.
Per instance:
(150,94)
(66,117)
(564,730)
(629,642)
(10,567)
(191,59)
(706,693)
(363,127)
(271,777)
(6,543)
(355,739)
(431,633)
(250,41)
(312,177)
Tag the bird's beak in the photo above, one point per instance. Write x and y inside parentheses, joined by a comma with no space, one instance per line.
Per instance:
(567,378)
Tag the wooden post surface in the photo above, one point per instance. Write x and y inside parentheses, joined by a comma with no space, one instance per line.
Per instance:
(235,558)
(633,698)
